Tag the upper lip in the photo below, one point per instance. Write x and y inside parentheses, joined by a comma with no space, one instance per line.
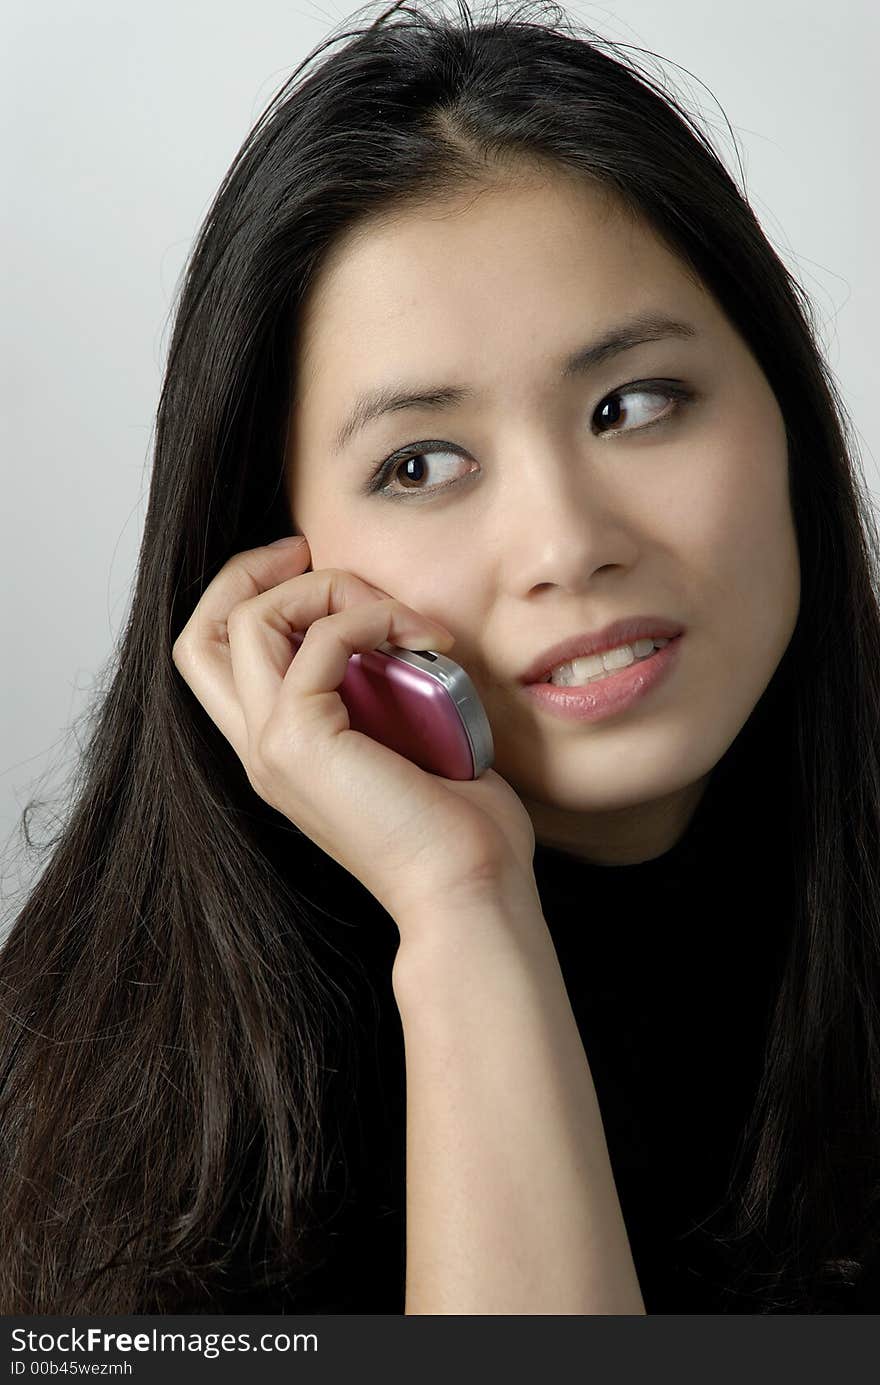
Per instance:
(619,632)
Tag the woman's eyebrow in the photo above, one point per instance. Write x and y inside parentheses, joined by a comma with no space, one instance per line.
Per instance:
(623,336)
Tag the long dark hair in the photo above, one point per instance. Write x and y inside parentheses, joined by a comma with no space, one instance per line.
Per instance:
(170,1001)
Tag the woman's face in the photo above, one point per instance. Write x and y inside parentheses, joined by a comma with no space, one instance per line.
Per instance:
(542,505)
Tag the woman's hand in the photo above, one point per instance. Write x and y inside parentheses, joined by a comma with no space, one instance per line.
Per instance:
(412,838)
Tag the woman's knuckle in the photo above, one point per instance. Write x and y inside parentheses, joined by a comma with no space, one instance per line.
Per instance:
(324,626)
(180,652)
(271,751)
(238,616)
(262,764)
(254,778)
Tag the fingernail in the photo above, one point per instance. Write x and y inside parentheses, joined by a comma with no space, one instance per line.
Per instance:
(436,634)
(288,539)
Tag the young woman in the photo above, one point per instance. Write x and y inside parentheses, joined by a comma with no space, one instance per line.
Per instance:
(290,1024)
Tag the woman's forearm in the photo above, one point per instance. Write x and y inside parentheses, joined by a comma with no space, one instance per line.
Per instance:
(511,1206)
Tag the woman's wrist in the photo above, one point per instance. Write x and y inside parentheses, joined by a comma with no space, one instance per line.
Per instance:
(501,1102)
(447,944)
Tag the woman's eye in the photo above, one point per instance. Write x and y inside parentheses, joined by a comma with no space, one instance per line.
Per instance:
(430,466)
(635,414)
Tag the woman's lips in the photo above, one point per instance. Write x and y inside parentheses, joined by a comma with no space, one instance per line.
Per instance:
(612,694)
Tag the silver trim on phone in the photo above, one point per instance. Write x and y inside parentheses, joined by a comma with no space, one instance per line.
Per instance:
(453,679)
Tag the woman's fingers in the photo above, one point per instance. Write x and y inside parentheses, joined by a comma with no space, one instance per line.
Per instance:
(262,649)
(201,651)
(236,652)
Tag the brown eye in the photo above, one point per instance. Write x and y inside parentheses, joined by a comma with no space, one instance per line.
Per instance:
(639,409)
(426,468)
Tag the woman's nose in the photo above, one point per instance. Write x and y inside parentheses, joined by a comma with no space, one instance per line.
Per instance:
(562,523)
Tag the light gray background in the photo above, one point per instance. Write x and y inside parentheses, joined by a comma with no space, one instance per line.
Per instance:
(119,122)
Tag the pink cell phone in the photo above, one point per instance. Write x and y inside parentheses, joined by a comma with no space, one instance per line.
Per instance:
(421,704)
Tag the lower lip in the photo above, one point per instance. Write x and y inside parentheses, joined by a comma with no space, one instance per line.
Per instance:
(610,695)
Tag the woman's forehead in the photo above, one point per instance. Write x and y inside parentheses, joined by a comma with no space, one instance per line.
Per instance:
(514,259)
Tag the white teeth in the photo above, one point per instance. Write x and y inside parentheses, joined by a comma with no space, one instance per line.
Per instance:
(580,671)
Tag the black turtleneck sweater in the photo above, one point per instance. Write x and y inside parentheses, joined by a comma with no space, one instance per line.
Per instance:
(671,967)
